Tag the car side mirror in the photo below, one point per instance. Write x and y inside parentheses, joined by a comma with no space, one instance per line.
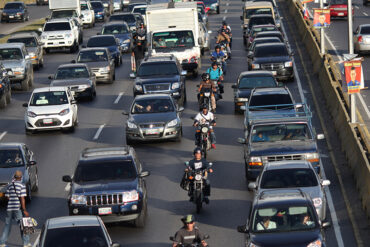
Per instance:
(291,53)
(98,33)
(32,163)
(144,174)
(252,186)
(320,137)
(241,140)
(206,236)
(181,109)
(325,182)
(184,72)
(25,104)
(234,86)
(116,245)
(250,55)
(39,29)
(172,238)
(243,229)
(73,61)
(325,224)
(67,179)
(200,41)
(125,113)
(50,77)
(280,84)
(132,76)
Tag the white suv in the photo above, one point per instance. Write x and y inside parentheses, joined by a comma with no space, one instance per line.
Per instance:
(51,108)
(88,14)
(60,33)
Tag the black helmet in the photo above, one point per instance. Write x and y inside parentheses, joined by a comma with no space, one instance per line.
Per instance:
(204,106)
(187,219)
(205,77)
(197,150)
(217,47)
(214,63)
(224,23)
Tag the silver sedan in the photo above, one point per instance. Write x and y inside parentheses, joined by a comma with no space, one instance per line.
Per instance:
(361,39)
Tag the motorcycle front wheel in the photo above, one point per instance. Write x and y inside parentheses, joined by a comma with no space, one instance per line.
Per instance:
(198,201)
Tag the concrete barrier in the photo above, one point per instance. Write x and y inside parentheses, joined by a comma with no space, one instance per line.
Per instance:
(329,76)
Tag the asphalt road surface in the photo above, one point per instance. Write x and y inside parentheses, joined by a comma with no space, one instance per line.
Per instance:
(57,154)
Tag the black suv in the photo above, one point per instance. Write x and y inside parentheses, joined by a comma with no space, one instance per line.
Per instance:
(5,88)
(283,218)
(109,182)
(161,74)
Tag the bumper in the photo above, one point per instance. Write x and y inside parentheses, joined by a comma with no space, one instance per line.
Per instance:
(125,47)
(334,13)
(176,94)
(117,8)
(362,47)
(124,212)
(58,43)
(282,74)
(163,133)
(189,66)
(212,8)
(238,104)
(87,20)
(11,17)
(49,122)
(99,17)
(103,77)
(81,93)
(16,78)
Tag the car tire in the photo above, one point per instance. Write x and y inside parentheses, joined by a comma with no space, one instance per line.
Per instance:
(41,63)
(30,80)
(179,136)
(25,85)
(202,52)
(93,95)
(195,73)
(139,222)
(218,10)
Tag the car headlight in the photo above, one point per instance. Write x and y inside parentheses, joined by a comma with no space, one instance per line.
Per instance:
(4,13)
(138,87)
(18,69)
(175,85)
(83,86)
(172,123)
(312,157)
(19,13)
(78,199)
(316,243)
(288,64)
(242,99)
(64,112)
(131,125)
(129,196)
(317,202)
(126,41)
(255,66)
(105,69)
(255,161)
(31,114)
(68,35)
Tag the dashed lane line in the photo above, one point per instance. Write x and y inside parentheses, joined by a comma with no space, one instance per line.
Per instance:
(98,132)
(118,97)
(3,134)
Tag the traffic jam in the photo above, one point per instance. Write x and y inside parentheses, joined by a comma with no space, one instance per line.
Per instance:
(165,46)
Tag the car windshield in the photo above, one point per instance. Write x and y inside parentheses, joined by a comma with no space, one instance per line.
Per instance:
(259,11)
(283,219)
(11,54)
(256,30)
(126,18)
(63,14)
(271,51)
(174,39)
(209,2)
(256,82)
(10,158)
(260,21)
(288,178)
(272,100)
(97,5)
(49,98)
(153,69)
(141,10)
(76,236)
(29,42)
(280,132)
(365,30)
(105,170)
(92,56)
(152,106)
(57,26)
(84,6)
(115,29)
(71,73)
(101,41)
(13,6)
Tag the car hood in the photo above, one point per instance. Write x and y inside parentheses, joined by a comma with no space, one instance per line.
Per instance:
(9,64)
(98,64)
(282,147)
(49,109)
(279,59)
(152,117)
(6,174)
(244,93)
(286,239)
(71,82)
(158,79)
(104,186)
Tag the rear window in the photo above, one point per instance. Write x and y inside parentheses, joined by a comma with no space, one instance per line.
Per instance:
(261,21)
(72,72)
(101,41)
(271,99)
(92,56)
(264,34)
(259,11)
(13,6)
(288,178)
(270,51)
(365,30)
(63,14)
(57,26)
(115,29)
(96,5)
(256,82)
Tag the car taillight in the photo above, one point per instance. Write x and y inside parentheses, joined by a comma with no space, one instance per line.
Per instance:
(360,39)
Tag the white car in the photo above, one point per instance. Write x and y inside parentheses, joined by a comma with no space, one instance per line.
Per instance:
(51,108)
(117,5)
(140,9)
(88,15)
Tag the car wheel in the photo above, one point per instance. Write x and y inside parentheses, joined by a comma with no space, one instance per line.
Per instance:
(8,96)
(3,102)
(25,85)
(24,18)
(114,76)
(185,97)
(41,63)
(202,52)
(195,73)
(28,132)
(47,50)
(30,80)
(140,221)
(179,136)
(93,95)
(36,186)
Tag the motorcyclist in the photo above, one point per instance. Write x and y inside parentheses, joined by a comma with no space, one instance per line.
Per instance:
(216,74)
(228,31)
(224,37)
(219,54)
(205,117)
(199,163)
(189,234)
(206,83)
(138,50)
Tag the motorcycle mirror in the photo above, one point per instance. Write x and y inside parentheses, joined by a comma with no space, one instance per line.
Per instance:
(198,86)
(241,140)
(192,118)
(186,163)
(242,229)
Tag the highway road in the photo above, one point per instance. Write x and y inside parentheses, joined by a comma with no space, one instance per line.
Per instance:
(57,154)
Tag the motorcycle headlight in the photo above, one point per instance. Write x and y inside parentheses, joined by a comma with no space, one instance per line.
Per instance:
(175,85)
(242,99)
(312,157)
(317,202)
(316,243)
(172,123)
(127,41)
(205,129)
(198,177)
(255,66)
(129,196)
(288,64)
(64,112)
(138,87)
(131,125)
(31,114)
(78,199)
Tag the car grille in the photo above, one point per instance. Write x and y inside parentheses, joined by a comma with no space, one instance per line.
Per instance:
(55,37)
(272,66)
(157,87)
(40,123)
(96,200)
(151,125)
(285,157)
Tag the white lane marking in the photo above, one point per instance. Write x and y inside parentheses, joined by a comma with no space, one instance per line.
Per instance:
(118,97)
(364,13)
(224,18)
(363,104)
(225,11)
(357,7)
(3,134)
(227,4)
(98,132)
(68,187)
(333,214)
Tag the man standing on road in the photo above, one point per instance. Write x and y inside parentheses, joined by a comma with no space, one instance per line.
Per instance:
(16,193)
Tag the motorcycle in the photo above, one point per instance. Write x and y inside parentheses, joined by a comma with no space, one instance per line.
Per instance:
(205,138)
(220,61)
(197,184)
(189,245)
(205,98)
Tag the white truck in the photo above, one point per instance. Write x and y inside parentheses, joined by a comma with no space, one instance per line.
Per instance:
(66,9)
(173,28)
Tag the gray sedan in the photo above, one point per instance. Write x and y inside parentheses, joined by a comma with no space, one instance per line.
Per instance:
(297,174)
(153,117)
(361,39)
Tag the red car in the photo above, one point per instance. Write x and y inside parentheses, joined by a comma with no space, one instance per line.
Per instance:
(338,8)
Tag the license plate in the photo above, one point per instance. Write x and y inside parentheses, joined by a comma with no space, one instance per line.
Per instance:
(152,132)
(47,121)
(103,211)
(274,72)
(341,14)
(10,16)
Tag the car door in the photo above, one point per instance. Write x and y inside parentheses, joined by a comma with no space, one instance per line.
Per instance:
(74,31)
(31,169)
(73,104)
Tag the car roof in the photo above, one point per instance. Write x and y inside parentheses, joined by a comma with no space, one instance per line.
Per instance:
(278,196)
(270,44)
(48,89)
(167,58)
(255,73)
(287,164)
(6,145)
(268,38)
(120,14)
(71,65)
(257,4)
(105,153)
(264,25)
(73,221)
(270,90)
(140,5)
(102,36)
(268,32)
(12,45)
(153,96)
(24,34)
